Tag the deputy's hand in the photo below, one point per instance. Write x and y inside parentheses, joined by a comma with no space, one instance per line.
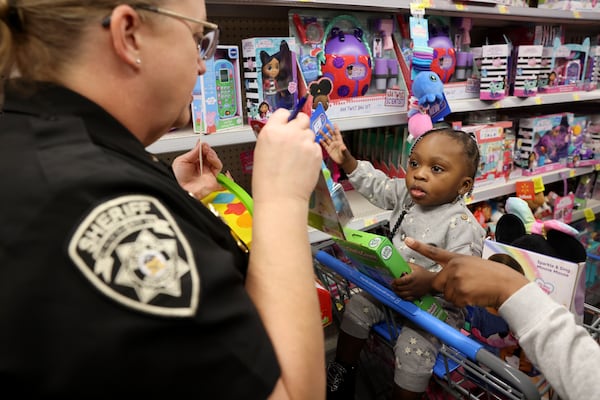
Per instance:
(200,179)
(287,160)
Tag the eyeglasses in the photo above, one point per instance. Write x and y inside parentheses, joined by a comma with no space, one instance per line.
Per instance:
(207,42)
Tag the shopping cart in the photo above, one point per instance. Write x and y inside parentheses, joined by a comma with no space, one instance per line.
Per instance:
(464,368)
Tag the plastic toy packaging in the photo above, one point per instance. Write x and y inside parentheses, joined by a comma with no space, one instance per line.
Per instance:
(351,59)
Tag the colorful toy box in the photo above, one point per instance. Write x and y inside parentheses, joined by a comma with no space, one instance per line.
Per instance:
(581,152)
(562,280)
(542,143)
(217,95)
(496,158)
(350,63)
(375,256)
(494,71)
(568,64)
(270,75)
(526,69)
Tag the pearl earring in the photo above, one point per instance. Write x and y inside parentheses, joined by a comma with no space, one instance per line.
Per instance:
(138,61)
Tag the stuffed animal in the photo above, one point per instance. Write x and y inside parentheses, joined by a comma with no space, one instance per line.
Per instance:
(427,90)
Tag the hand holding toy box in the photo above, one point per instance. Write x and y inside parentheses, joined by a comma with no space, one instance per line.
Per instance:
(375,256)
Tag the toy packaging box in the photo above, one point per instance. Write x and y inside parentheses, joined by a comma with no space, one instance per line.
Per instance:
(376,257)
(494,71)
(581,150)
(270,75)
(526,69)
(496,153)
(217,95)
(542,143)
(568,65)
(351,63)
(562,280)
(329,208)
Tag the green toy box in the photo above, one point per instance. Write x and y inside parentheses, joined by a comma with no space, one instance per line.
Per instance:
(375,256)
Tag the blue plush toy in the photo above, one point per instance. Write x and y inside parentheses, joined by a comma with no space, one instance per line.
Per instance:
(427,90)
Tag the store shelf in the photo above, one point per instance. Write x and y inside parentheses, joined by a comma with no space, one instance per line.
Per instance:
(593,205)
(185,139)
(512,101)
(439,7)
(487,191)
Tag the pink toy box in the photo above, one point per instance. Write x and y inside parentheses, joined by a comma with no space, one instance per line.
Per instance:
(495,151)
(526,69)
(217,96)
(568,64)
(350,63)
(270,76)
(543,142)
(494,71)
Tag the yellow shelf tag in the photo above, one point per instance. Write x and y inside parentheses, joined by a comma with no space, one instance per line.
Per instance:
(572,173)
(589,214)
(502,9)
(538,184)
(538,100)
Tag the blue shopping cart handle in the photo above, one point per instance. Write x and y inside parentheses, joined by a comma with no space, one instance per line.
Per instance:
(443,331)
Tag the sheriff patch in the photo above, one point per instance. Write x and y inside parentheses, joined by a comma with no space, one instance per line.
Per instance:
(132,250)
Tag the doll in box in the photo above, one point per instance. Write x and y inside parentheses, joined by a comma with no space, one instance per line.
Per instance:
(276,73)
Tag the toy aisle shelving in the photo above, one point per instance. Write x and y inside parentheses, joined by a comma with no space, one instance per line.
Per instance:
(492,14)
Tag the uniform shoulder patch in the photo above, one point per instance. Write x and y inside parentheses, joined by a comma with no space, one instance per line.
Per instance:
(132,250)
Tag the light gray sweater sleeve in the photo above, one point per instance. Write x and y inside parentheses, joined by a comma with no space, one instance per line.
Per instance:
(564,351)
(381,190)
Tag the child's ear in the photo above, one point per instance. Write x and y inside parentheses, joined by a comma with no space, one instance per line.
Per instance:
(466,185)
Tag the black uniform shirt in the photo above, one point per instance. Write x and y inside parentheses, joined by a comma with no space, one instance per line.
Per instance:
(113,279)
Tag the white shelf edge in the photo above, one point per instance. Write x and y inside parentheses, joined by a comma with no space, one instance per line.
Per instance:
(500,188)
(467,105)
(592,204)
(185,139)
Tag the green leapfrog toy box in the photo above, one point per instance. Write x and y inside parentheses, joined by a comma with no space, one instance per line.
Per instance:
(375,256)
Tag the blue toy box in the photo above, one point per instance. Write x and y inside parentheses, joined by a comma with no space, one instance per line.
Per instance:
(217,96)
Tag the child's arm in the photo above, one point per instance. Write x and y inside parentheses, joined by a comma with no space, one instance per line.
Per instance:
(337,150)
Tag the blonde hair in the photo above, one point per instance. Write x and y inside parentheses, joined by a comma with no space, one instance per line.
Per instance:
(37,37)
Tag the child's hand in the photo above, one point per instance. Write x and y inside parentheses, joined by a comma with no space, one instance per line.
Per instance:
(334,144)
(415,285)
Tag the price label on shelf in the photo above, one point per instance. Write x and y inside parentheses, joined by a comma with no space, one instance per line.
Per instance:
(537,100)
(589,215)
(502,9)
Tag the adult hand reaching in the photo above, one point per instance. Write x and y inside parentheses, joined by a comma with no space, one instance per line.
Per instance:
(470,280)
